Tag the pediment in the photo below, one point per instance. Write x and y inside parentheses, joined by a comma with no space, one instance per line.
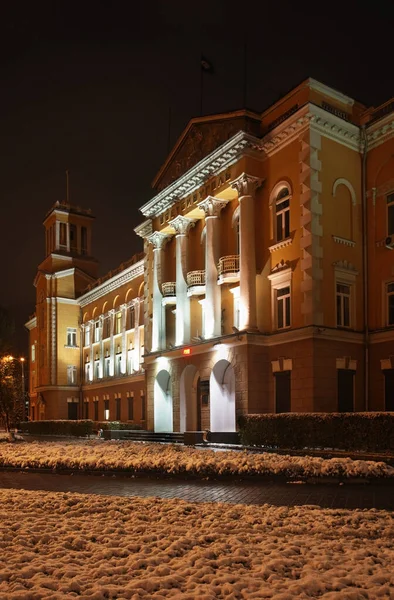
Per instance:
(201,137)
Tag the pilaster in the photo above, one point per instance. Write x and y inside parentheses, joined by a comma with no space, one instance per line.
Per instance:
(158,240)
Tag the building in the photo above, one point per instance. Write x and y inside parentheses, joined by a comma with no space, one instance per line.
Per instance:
(266,283)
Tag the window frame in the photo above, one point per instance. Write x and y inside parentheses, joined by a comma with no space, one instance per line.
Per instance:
(71,336)
(342,296)
(71,375)
(275,200)
(280,279)
(389,209)
(283,214)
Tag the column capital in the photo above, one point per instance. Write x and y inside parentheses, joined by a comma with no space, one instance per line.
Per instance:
(246,184)
(182,224)
(158,239)
(211,206)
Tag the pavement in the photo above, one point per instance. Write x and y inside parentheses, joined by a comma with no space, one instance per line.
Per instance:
(364,496)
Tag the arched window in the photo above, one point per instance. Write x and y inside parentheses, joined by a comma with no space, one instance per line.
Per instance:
(282,214)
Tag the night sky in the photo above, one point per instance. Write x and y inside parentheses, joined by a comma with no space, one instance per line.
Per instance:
(88,86)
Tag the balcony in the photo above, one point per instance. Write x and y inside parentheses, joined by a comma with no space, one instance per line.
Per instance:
(228,269)
(196,283)
(169,292)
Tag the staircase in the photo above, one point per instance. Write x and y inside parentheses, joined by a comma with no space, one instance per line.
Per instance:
(143,436)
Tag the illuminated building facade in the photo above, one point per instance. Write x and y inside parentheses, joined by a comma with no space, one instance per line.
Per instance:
(266,283)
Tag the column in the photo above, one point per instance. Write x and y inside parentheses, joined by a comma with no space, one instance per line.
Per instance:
(246,186)
(91,358)
(137,338)
(182,226)
(101,363)
(57,235)
(124,349)
(68,236)
(158,240)
(212,208)
(111,316)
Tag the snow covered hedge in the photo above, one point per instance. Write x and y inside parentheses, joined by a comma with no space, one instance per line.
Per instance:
(74,428)
(367,431)
(116,426)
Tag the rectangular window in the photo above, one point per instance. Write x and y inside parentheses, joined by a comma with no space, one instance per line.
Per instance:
(106,327)
(33,353)
(87,335)
(95,404)
(71,375)
(130,402)
(106,367)
(97,369)
(86,410)
(282,219)
(236,312)
(343,305)
(71,337)
(118,322)
(283,307)
(389,389)
(87,371)
(106,410)
(84,241)
(283,392)
(143,407)
(72,411)
(345,384)
(390,304)
(130,318)
(390,214)
(63,235)
(118,407)
(97,331)
(73,238)
(118,364)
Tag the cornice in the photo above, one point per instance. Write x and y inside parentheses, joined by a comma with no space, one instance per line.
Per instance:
(330,92)
(335,128)
(112,284)
(380,131)
(145,229)
(223,157)
(31,324)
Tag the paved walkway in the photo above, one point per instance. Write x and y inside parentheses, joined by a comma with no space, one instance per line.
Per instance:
(248,492)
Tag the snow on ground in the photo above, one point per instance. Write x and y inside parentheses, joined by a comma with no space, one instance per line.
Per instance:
(56,545)
(179,460)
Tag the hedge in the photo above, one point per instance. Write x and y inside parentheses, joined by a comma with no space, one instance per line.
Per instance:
(70,428)
(115,425)
(367,431)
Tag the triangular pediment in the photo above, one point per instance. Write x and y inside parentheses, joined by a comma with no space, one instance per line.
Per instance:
(201,137)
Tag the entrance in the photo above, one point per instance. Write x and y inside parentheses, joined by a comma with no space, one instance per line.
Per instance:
(345,390)
(222,397)
(283,392)
(163,418)
(72,411)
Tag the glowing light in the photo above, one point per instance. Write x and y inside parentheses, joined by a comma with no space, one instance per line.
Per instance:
(187,351)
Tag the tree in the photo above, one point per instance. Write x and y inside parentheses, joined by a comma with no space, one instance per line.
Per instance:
(11,397)
(7,330)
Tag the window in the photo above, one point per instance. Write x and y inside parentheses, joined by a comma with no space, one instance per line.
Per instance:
(72,410)
(118,407)
(71,337)
(106,367)
(390,214)
(106,327)
(63,234)
(87,335)
(130,401)
(389,389)
(345,390)
(97,331)
(390,304)
(235,292)
(95,411)
(97,369)
(118,322)
(86,410)
(343,305)
(283,307)
(33,353)
(84,241)
(87,372)
(106,410)
(73,238)
(130,318)
(143,407)
(282,214)
(71,375)
(118,364)
(283,391)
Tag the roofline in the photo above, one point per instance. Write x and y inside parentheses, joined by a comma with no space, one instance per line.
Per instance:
(129,273)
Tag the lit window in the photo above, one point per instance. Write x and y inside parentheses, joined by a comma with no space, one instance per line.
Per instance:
(87,372)
(71,336)
(390,214)
(71,375)
(118,322)
(283,215)
(118,364)
(97,331)
(130,317)
(390,304)
(87,335)
(106,410)
(283,307)
(33,353)
(106,367)
(97,369)
(343,305)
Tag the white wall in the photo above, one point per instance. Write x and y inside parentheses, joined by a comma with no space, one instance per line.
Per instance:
(163,420)
(222,397)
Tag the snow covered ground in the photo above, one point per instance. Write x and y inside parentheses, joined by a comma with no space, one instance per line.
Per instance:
(55,546)
(179,460)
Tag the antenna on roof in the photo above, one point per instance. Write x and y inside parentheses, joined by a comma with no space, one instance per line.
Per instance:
(67,186)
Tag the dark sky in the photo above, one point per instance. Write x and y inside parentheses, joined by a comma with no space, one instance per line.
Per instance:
(87,87)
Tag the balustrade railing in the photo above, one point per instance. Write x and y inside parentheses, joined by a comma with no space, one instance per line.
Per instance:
(228,264)
(195,278)
(169,288)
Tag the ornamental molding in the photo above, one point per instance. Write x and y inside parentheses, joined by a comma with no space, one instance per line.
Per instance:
(211,206)
(335,128)
(214,163)
(282,244)
(31,324)
(330,92)
(145,229)
(345,266)
(282,269)
(245,185)
(182,225)
(343,241)
(158,239)
(380,131)
(113,284)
